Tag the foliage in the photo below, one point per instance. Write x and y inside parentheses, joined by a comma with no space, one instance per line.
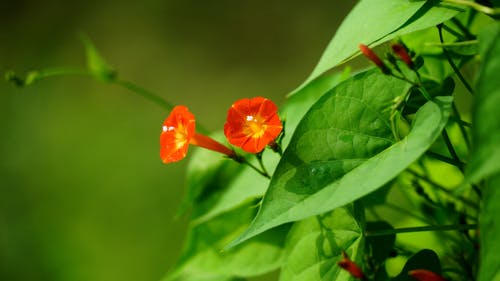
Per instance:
(354,146)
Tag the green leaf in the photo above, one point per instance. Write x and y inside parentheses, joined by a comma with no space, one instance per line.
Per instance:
(96,63)
(375,22)
(219,185)
(314,246)
(298,104)
(203,258)
(205,173)
(244,187)
(485,159)
(342,151)
(425,259)
(431,14)
(489,225)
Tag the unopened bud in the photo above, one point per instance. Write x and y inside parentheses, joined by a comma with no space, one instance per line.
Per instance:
(402,53)
(351,267)
(370,54)
(425,275)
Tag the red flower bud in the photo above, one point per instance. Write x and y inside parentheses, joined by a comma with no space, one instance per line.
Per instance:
(351,267)
(402,53)
(425,275)
(370,54)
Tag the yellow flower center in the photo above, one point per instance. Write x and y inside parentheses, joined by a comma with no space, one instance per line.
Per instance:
(180,134)
(255,126)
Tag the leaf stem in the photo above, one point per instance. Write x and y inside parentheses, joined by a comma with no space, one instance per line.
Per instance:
(478,7)
(454,44)
(463,29)
(452,63)
(452,227)
(144,93)
(243,160)
(444,189)
(460,165)
(453,32)
(451,149)
(37,75)
(405,211)
(461,125)
(261,163)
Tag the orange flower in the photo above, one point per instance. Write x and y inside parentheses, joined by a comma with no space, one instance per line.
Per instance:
(425,275)
(178,132)
(252,124)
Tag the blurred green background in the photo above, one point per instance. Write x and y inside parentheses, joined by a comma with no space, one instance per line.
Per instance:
(83,193)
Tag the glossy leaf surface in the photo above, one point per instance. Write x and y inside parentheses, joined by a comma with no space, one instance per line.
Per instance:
(343,149)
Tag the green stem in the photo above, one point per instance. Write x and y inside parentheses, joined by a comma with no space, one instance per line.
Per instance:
(461,122)
(463,29)
(144,93)
(404,79)
(405,211)
(59,71)
(454,44)
(478,7)
(453,32)
(444,189)
(451,161)
(453,227)
(461,125)
(153,98)
(421,88)
(452,64)
(261,163)
(34,76)
(243,160)
(451,149)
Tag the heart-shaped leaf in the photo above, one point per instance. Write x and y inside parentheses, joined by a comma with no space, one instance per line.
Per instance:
(343,149)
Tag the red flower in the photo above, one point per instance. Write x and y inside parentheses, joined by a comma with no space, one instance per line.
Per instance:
(351,267)
(425,275)
(179,131)
(370,54)
(252,124)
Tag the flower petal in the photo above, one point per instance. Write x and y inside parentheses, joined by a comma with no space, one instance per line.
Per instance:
(252,124)
(177,131)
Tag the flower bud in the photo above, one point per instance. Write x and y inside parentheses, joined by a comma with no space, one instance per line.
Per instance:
(351,267)
(401,51)
(425,275)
